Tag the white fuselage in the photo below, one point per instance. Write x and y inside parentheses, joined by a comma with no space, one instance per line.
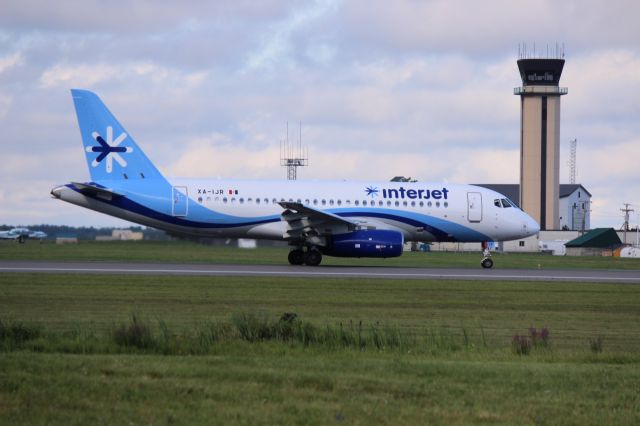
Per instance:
(243,208)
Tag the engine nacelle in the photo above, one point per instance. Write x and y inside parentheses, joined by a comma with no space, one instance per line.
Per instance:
(365,243)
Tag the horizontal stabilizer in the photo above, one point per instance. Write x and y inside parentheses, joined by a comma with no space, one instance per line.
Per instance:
(97,191)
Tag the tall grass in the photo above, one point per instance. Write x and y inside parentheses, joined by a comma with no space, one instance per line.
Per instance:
(140,335)
(15,334)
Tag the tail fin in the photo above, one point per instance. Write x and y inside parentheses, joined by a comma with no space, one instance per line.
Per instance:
(110,151)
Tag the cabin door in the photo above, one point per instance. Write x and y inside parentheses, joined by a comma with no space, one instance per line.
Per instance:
(474,206)
(180,198)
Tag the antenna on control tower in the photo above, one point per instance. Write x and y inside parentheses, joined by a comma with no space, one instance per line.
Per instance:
(293,155)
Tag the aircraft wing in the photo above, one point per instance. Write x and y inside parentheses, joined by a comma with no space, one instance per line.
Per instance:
(309,224)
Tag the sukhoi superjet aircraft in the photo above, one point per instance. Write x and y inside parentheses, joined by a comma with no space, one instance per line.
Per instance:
(333,218)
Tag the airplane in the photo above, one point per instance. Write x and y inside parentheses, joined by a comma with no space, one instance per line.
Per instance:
(21,234)
(334,218)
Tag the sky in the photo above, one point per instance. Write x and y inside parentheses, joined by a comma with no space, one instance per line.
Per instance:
(414,88)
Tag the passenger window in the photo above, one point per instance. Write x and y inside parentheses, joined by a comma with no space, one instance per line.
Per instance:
(421,203)
(315,202)
(413,204)
(307,201)
(397,203)
(224,199)
(241,200)
(446,204)
(404,203)
(324,202)
(364,203)
(437,203)
(348,202)
(429,204)
(257,200)
(388,203)
(356,202)
(339,202)
(330,202)
(380,203)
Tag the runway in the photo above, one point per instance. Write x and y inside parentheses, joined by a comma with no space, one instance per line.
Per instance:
(574,275)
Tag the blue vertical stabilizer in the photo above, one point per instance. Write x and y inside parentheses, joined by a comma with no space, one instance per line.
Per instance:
(111,152)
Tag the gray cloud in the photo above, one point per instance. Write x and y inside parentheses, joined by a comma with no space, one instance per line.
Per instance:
(415,88)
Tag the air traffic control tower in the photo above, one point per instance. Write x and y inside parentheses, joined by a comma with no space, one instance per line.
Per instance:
(540,138)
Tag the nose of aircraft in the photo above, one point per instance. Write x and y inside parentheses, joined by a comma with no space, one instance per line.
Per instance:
(531,227)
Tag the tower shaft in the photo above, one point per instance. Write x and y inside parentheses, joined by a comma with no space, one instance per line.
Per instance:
(540,139)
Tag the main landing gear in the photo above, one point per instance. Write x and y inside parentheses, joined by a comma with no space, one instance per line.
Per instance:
(310,257)
(486,262)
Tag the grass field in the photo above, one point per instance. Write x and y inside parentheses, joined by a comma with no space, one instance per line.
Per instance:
(457,363)
(188,252)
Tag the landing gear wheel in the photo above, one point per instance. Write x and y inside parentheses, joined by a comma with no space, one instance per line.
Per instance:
(487,263)
(313,258)
(296,257)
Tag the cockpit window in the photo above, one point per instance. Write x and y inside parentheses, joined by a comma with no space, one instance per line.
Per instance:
(506,203)
(497,203)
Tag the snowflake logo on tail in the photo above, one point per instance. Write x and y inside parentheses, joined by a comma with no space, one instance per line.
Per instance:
(109,149)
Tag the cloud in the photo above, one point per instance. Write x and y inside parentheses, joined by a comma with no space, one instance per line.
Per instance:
(414,88)
(10,61)
(77,75)
(85,75)
(141,17)
(481,28)
(277,41)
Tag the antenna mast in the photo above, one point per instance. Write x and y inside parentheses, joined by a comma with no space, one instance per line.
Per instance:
(293,156)
(572,160)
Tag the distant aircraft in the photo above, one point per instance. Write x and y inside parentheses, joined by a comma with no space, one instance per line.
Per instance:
(346,219)
(21,234)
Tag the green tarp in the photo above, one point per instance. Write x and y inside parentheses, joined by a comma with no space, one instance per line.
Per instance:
(599,237)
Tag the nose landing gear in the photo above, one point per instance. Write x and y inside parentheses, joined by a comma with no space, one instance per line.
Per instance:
(486,262)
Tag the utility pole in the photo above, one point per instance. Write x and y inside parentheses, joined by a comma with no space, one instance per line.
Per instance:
(625,226)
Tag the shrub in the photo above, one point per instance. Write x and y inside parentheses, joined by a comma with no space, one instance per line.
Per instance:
(521,345)
(596,344)
(539,338)
(252,327)
(16,333)
(136,334)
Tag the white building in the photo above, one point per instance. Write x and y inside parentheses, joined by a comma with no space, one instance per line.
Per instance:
(575,208)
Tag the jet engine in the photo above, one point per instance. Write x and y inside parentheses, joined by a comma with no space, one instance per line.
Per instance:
(365,243)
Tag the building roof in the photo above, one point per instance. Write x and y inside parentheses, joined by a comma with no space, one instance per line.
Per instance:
(512,190)
(599,237)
